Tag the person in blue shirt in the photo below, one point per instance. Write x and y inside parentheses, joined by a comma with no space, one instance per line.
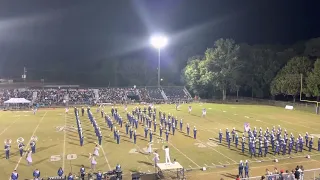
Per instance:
(146,132)
(181,124)
(241,169)
(246,170)
(14,175)
(99,175)
(135,137)
(82,172)
(33,146)
(310,144)
(188,129)
(21,146)
(7,150)
(150,135)
(36,173)
(70,177)
(60,172)
(220,136)
(194,132)
(167,135)
(236,140)
(118,137)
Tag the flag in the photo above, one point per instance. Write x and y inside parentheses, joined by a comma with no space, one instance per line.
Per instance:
(246,126)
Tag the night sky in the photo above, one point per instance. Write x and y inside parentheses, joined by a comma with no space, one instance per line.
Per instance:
(52,35)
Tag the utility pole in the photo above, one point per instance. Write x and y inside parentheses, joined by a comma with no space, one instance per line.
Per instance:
(24,76)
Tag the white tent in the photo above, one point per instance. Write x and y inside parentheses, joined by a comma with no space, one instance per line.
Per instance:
(17,101)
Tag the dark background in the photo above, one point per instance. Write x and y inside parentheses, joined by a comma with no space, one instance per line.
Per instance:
(106,42)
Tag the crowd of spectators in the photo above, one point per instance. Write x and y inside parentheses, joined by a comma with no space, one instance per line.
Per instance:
(51,96)
(107,95)
(294,174)
(154,93)
(80,96)
(174,93)
(6,94)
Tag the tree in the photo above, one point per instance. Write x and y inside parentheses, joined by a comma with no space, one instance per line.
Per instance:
(287,81)
(221,66)
(312,81)
(260,66)
(192,75)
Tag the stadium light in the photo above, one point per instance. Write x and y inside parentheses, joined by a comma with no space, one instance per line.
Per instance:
(159,42)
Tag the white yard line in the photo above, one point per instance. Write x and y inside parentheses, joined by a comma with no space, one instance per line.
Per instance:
(184,155)
(105,157)
(64,141)
(218,152)
(34,132)
(9,126)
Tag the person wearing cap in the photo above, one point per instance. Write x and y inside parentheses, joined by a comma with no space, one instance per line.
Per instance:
(135,136)
(310,144)
(14,175)
(220,136)
(241,169)
(246,170)
(233,133)
(236,140)
(307,139)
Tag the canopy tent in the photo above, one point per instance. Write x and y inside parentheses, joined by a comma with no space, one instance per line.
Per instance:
(17,101)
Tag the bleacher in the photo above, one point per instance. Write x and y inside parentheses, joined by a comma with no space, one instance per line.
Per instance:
(57,96)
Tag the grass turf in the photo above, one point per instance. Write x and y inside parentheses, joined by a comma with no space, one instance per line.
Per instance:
(190,153)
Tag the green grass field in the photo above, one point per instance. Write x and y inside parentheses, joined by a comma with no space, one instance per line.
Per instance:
(48,125)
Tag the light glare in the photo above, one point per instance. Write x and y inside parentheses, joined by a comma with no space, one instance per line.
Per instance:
(159,41)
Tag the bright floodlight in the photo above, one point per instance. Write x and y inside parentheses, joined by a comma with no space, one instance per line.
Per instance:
(159,41)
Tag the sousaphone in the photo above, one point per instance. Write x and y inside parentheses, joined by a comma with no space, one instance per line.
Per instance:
(20,140)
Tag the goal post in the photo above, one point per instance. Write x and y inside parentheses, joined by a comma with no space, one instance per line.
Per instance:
(304,100)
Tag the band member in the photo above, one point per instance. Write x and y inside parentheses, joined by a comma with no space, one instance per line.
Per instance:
(7,150)
(33,146)
(204,112)
(21,146)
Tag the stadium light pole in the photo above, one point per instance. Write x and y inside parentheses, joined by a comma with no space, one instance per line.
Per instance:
(158,42)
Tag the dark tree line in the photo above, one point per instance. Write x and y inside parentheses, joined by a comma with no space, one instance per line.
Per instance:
(255,70)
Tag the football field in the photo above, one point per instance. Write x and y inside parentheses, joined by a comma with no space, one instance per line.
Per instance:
(58,141)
